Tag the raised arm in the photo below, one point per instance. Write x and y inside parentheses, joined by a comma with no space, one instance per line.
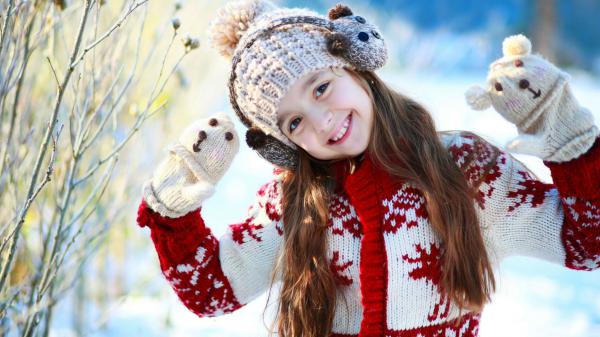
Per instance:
(216,276)
(559,222)
(210,276)
(521,215)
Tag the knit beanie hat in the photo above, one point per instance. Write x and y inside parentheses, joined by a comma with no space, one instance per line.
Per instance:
(271,47)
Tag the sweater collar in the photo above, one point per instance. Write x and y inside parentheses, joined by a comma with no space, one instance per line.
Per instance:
(343,169)
(366,174)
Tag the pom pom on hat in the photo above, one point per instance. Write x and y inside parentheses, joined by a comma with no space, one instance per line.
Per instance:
(516,45)
(233,20)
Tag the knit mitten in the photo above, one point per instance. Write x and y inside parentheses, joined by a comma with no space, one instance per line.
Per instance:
(194,165)
(535,95)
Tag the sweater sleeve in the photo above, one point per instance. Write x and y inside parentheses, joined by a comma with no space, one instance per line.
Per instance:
(521,215)
(214,276)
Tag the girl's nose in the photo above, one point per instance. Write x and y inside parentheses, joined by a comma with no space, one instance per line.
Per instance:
(324,121)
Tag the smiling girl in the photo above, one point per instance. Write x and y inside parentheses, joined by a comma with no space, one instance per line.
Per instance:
(328,114)
(375,223)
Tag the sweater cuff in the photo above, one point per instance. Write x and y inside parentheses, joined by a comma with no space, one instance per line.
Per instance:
(147,217)
(580,176)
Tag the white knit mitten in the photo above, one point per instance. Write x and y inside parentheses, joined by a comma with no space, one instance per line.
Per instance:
(533,94)
(194,165)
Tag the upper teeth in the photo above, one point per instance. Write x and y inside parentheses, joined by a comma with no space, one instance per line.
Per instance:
(342,131)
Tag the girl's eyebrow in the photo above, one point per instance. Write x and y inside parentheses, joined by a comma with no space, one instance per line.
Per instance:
(312,79)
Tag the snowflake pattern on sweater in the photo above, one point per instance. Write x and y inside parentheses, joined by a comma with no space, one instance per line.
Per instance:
(381,247)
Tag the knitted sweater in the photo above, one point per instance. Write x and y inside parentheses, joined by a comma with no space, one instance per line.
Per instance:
(381,246)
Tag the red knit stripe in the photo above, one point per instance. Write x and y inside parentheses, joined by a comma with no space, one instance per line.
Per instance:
(373,260)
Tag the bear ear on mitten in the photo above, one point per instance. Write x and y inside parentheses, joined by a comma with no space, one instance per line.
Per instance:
(478,98)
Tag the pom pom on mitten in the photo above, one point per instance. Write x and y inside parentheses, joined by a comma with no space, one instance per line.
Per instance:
(533,94)
(194,165)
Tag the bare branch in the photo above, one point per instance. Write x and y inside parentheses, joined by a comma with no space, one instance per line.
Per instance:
(26,56)
(98,191)
(116,25)
(41,185)
(134,129)
(55,76)
(100,186)
(82,144)
(5,24)
(162,66)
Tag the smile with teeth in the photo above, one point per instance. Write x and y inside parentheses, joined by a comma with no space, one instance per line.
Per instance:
(342,131)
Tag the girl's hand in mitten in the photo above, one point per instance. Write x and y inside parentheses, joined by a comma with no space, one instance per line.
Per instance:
(533,94)
(194,165)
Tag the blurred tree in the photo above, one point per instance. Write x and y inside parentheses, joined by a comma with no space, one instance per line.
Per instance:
(544,30)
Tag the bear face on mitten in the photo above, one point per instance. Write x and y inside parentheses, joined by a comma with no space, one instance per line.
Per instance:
(208,145)
(519,85)
(196,162)
(535,95)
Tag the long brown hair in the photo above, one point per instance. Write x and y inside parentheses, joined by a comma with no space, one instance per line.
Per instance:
(406,144)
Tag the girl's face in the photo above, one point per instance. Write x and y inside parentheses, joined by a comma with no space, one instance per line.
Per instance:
(328,114)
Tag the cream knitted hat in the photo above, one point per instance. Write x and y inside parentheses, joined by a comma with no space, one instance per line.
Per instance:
(270,48)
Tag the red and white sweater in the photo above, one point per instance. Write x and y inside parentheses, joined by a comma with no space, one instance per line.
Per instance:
(381,246)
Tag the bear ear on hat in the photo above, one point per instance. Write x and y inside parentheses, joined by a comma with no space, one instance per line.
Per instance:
(516,45)
(338,44)
(233,20)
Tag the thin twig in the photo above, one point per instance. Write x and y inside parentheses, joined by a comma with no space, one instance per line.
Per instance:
(27,57)
(134,129)
(47,178)
(85,131)
(55,75)
(162,66)
(98,191)
(107,34)
(94,191)
(5,26)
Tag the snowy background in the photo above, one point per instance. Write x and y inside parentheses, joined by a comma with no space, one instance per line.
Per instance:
(432,61)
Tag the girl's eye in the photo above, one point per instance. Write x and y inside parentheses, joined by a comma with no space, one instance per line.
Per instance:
(292,127)
(321,89)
